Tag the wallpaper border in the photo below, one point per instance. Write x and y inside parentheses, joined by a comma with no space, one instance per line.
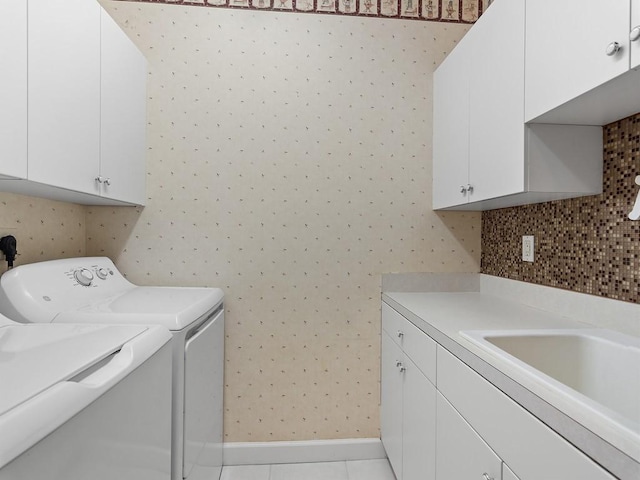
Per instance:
(444,11)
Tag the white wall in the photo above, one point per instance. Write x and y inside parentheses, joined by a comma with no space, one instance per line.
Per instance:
(289,163)
(44,229)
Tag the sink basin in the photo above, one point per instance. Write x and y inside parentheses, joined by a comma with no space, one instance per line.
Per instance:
(596,370)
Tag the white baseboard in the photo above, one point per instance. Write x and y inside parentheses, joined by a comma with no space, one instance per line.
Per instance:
(260,453)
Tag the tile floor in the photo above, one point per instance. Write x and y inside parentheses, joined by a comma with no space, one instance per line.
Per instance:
(350,470)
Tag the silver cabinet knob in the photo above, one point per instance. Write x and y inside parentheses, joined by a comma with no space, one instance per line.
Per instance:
(635,33)
(99,179)
(612,49)
(470,188)
(463,189)
(107,181)
(400,334)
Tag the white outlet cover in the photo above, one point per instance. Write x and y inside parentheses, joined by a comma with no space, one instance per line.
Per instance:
(527,248)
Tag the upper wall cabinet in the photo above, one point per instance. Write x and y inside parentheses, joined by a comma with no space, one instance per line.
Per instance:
(484,156)
(634,34)
(580,61)
(86,112)
(496,133)
(123,116)
(13,94)
(64,93)
(451,125)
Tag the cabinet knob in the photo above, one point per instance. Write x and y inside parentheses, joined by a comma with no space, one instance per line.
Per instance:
(107,181)
(612,49)
(400,334)
(470,188)
(635,33)
(99,179)
(463,189)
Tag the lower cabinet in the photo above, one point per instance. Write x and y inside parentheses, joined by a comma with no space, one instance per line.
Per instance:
(391,402)
(507,474)
(530,448)
(461,453)
(418,425)
(454,425)
(408,405)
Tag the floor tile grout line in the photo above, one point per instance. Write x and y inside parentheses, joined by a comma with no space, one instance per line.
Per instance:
(269,473)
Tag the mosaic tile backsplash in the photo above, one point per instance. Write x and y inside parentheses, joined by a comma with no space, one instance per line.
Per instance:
(586,244)
(452,11)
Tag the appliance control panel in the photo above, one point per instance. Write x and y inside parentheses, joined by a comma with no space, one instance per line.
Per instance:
(91,275)
(39,291)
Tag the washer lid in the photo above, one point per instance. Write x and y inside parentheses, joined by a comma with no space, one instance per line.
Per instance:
(50,373)
(172,307)
(35,357)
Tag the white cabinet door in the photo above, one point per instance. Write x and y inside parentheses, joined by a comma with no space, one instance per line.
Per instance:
(566,43)
(507,474)
(451,126)
(496,144)
(461,453)
(64,93)
(123,115)
(408,411)
(391,403)
(531,448)
(635,33)
(418,425)
(13,88)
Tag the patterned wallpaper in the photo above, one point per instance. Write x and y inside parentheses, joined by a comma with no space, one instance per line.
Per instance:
(44,229)
(289,163)
(456,11)
(584,244)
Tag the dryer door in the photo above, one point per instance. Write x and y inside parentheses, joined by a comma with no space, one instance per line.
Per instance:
(204,363)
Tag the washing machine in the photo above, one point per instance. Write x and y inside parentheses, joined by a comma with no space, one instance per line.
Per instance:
(84,401)
(92,290)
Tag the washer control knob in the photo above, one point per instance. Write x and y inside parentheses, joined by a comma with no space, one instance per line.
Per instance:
(102,273)
(83,276)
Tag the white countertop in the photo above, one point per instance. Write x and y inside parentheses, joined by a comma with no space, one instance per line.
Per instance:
(443,315)
(451,312)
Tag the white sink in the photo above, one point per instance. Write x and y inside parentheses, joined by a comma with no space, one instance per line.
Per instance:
(594,373)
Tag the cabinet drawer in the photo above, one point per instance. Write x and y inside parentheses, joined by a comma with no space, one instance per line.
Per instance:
(507,427)
(416,344)
(392,323)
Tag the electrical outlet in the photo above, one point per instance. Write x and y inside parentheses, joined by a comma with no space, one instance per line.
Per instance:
(527,248)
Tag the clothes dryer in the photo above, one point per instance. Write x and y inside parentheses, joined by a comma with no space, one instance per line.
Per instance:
(92,290)
(84,401)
